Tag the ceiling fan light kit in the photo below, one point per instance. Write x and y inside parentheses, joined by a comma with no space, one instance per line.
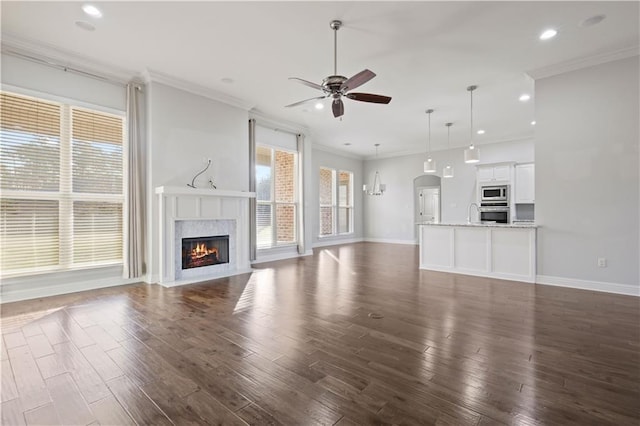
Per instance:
(337,86)
(471,154)
(378,187)
(430,164)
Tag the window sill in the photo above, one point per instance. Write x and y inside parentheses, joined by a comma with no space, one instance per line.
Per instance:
(51,271)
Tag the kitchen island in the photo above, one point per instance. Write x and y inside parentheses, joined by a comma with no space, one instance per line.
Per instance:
(506,251)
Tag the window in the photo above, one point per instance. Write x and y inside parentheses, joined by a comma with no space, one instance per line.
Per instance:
(276,205)
(336,202)
(61,174)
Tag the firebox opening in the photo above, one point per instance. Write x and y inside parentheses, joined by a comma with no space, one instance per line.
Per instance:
(205,251)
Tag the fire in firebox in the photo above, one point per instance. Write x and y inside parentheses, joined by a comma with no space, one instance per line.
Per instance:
(205,251)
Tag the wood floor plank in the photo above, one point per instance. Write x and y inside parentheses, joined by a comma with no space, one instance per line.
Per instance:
(69,403)
(293,343)
(9,389)
(31,387)
(44,415)
(136,402)
(76,333)
(102,338)
(51,365)
(108,411)
(11,413)
(101,362)
(91,385)
(54,332)
(31,329)
(39,345)
(13,340)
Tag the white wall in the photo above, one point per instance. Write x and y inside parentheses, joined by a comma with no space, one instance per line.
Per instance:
(184,130)
(390,217)
(324,158)
(67,85)
(587,181)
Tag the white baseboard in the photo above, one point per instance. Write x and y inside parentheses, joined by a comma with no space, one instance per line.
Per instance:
(16,294)
(626,289)
(336,241)
(277,256)
(391,241)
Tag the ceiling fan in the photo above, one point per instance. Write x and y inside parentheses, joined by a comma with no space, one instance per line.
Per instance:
(336,86)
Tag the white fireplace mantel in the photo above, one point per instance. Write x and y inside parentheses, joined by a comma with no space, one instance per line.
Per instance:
(183,203)
(202,192)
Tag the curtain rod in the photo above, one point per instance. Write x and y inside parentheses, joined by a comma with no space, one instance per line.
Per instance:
(66,68)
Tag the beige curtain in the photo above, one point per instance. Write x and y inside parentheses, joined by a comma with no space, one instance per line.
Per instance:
(134,265)
(252,188)
(301,204)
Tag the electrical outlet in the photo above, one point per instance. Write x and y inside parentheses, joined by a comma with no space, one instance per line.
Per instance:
(602,262)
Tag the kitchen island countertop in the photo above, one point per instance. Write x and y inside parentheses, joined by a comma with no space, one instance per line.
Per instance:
(482,225)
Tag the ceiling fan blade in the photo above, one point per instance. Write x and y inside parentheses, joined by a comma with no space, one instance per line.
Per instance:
(369,97)
(306,83)
(304,102)
(357,80)
(337,107)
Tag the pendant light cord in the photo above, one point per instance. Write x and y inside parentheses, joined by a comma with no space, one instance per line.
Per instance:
(471,114)
(429,140)
(429,111)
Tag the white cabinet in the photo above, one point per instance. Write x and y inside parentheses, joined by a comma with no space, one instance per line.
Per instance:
(494,173)
(525,190)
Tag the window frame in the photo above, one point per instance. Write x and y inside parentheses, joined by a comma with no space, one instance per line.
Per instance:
(65,196)
(273,203)
(335,203)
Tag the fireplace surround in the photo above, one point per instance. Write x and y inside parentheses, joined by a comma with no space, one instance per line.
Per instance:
(186,213)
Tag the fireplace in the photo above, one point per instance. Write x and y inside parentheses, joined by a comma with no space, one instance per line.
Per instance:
(205,251)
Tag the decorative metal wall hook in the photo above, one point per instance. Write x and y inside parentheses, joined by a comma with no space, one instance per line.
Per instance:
(193,181)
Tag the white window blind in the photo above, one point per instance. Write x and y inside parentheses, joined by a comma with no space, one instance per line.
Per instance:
(62,186)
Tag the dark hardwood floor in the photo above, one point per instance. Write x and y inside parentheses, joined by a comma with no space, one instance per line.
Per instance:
(297,343)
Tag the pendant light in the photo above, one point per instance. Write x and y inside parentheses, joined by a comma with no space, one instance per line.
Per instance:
(430,164)
(471,154)
(447,172)
(378,187)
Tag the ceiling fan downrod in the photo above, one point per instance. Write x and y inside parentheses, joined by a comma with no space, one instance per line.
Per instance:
(335,26)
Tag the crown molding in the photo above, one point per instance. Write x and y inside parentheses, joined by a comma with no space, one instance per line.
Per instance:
(418,151)
(50,55)
(277,123)
(207,92)
(584,62)
(336,151)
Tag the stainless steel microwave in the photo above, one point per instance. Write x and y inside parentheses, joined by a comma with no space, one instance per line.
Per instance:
(494,193)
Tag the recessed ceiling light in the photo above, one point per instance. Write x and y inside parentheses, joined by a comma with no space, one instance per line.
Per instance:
(547,34)
(85,26)
(92,11)
(524,97)
(481,132)
(347,143)
(319,105)
(533,123)
(226,80)
(593,20)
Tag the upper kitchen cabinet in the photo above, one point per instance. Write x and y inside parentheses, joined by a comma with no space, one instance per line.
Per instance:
(525,191)
(494,173)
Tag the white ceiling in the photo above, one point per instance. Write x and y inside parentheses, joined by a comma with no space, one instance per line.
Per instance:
(425,54)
